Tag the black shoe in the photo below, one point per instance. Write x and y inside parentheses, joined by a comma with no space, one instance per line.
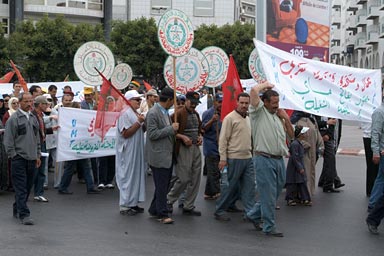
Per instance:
(234,209)
(27,221)
(275,233)
(138,209)
(373,229)
(257,224)
(128,212)
(191,212)
(64,192)
(94,191)
(222,217)
(339,185)
(330,190)
(15,215)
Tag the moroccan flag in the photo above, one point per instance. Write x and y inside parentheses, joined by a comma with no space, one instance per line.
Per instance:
(20,77)
(110,106)
(231,88)
(147,85)
(7,77)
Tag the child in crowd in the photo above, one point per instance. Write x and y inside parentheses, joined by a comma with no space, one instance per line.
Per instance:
(296,182)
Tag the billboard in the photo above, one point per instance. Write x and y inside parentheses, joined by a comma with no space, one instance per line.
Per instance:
(300,27)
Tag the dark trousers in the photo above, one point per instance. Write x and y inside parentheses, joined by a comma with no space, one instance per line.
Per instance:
(22,172)
(212,187)
(372,168)
(40,175)
(106,169)
(328,175)
(69,166)
(161,178)
(377,213)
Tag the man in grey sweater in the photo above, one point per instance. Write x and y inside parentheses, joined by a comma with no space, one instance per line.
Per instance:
(22,144)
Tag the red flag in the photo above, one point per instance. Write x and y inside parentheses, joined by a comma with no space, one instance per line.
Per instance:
(231,88)
(20,77)
(147,85)
(111,105)
(7,77)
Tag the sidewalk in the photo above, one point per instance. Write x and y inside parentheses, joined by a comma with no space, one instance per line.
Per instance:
(351,140)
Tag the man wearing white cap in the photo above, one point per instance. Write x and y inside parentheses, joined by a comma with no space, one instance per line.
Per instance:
(130,167)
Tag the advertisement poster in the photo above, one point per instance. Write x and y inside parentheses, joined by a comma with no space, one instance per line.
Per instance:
(300,27)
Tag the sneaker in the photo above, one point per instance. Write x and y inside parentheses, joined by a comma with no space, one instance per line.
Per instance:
(101,186)
(40,199)
(372,228)
(191,212)
(27,221)
(110,186)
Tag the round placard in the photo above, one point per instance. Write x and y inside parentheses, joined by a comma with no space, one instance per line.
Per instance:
(192,71)
(90,55)
(122,76)
(255,67)
(218,65)
(175,33)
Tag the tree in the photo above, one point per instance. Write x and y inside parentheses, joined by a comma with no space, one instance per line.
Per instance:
(136,43)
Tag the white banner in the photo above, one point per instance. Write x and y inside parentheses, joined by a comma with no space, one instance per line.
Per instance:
(321,88)
(76,138)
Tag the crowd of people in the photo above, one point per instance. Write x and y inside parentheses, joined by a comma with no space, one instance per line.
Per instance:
(243,153)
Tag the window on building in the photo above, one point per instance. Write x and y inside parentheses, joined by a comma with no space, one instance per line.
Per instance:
(95,5)
(5,26)
(60,3)
(76,4)
(158,7)
(35,2)
(205,8)
(5,1)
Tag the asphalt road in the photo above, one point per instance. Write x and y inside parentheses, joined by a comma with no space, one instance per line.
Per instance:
(82,224)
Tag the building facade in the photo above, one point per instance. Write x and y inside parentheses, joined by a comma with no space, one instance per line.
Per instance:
(219,12)
(357,33)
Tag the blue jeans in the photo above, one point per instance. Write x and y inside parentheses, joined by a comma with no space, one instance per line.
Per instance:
(241,175)
(22,173)
(82,164)
(270,180)
(377,213)
(378,187)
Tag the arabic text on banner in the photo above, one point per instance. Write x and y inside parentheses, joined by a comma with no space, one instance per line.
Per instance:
(77,138)
(321,88)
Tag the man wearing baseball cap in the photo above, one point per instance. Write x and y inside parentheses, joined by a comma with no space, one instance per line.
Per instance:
(188,163)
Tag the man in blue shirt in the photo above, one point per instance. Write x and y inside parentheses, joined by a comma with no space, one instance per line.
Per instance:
(212,125)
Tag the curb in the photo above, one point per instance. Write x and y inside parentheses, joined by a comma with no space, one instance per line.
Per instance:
(351,151)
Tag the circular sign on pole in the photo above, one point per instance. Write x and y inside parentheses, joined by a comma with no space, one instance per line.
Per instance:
(256,68)
(175,33)
(192,71)
(122,76)
(93,55)
(218,65)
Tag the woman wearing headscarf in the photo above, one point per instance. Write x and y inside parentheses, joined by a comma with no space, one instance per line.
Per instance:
(13,105)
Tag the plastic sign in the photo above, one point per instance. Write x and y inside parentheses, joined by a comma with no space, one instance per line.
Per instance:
(218,65)
(192,71)
(90,55)
(175,33)
(122,76)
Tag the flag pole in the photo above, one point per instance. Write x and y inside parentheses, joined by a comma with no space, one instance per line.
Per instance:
(174,89)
